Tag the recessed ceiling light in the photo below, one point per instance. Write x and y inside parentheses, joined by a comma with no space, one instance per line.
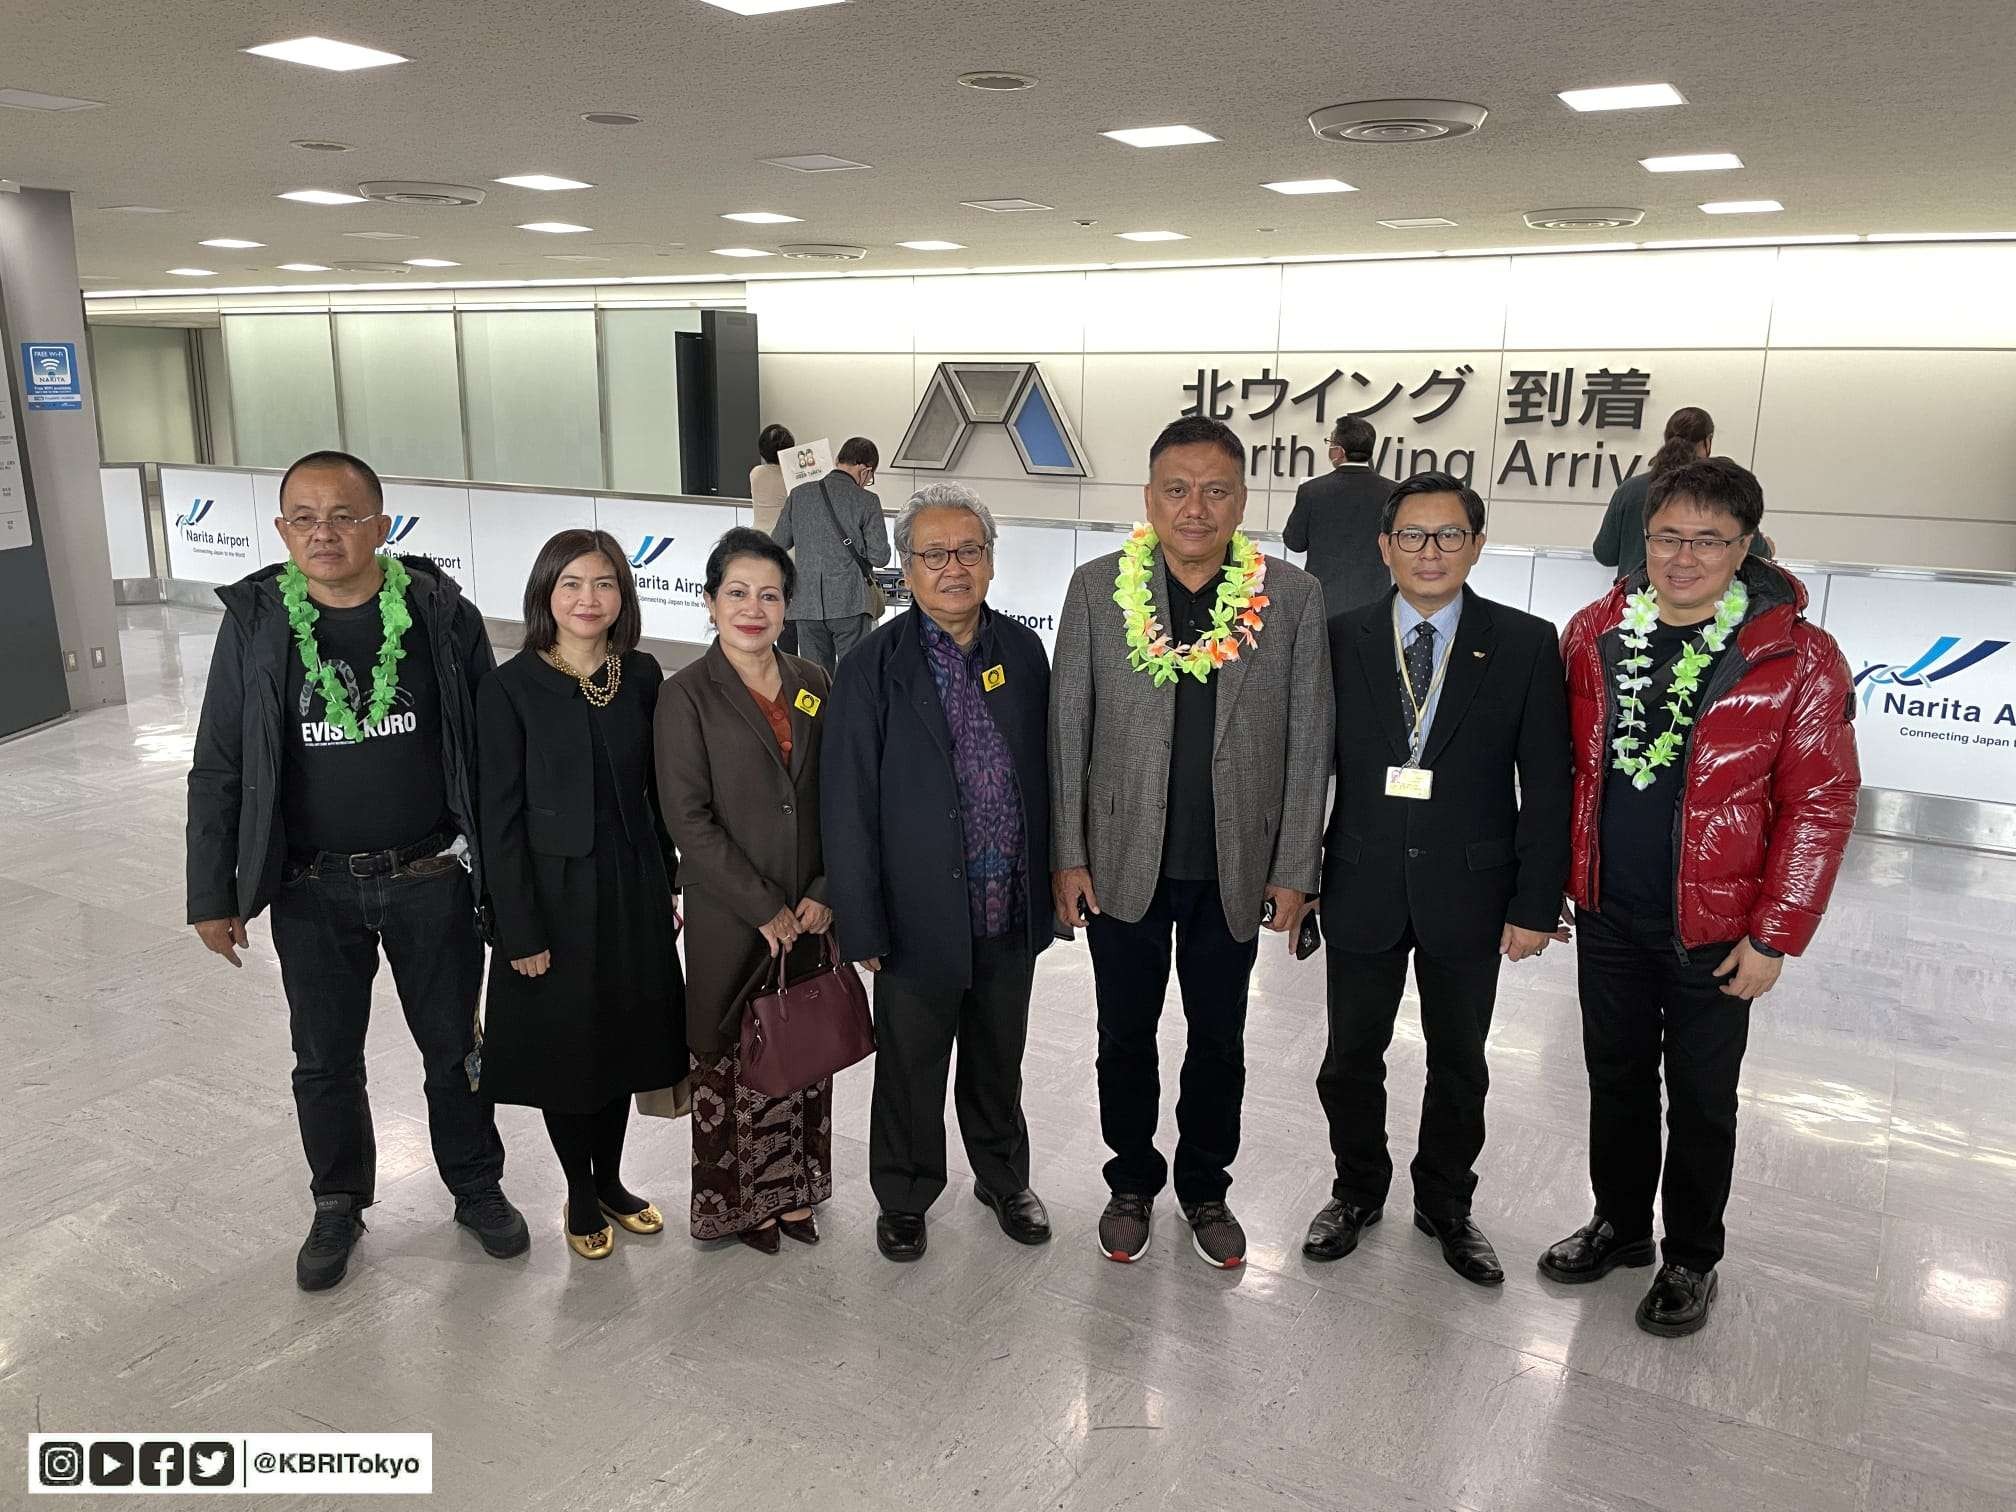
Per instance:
(304,267)
(379,236)
(816,162)
(1741,207)
(1908,236)
(612,118)
(761,218)
(431,262)
(575,257)
(556,228)
(542,181)
(230,242)
(1160,136)
(194,272)
(321,52)
(322,197)
(769,7)
(1418,223)
(1311,186)
(1151,236)
(1622,97)
(1004,206)
(28,99)
(997,80)
(741,252)
(314,144)
(1691,162)
(934,246)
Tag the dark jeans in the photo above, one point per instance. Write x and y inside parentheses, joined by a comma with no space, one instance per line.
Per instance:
(1130,970)
(914,1033)
(1641,1004)
(1456,1002)
(327,930)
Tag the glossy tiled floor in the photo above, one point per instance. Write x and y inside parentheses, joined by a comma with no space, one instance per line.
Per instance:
(1863,1354)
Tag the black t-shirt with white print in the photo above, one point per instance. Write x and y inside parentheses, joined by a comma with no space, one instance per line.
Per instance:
(384,791)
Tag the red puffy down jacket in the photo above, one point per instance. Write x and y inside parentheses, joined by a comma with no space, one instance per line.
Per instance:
(1771,774)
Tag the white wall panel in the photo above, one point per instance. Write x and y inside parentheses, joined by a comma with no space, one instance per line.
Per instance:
(1183,310)
(432,520)
(1130,397)
(1562,585)
(1970,545)
(1642,299)
(834,315)
(837,395)
(668,546)
(1956,295)
(509,529)
(125,501)
(1026,313)
(1456,302)
(1032,568)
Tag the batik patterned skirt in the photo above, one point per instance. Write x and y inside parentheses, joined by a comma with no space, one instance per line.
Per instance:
(755,1156)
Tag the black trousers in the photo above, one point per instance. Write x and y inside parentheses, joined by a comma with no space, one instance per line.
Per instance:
(915,1029)
(327,932)
(1130,970)
(1643,1005)
(1457,997)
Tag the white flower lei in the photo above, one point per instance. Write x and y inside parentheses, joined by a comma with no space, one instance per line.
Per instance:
(1641,613)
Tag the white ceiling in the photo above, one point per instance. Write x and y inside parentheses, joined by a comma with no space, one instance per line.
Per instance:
(1860,116)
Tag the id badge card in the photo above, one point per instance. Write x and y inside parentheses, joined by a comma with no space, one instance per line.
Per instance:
(1409,782)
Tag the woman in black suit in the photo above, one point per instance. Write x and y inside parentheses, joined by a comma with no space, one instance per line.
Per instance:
(586,1001)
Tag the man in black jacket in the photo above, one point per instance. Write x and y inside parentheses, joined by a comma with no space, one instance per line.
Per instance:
(935,811)
(1433,851)
(333,780)
(1336,520)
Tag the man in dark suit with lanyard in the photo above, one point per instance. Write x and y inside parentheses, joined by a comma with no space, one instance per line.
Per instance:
(1433,851)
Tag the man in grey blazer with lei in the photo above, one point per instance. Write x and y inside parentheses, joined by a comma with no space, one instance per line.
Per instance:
(1190,718)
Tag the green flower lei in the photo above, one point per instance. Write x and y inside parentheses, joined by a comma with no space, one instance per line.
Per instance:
(392,614)
(1234,617)
(1641,613)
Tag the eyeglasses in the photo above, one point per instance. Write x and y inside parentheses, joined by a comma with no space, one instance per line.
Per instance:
(936,557)
(307,525)
(1450,538)
(1707,549)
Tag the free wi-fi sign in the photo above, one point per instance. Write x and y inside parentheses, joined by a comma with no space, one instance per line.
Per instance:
(49,369)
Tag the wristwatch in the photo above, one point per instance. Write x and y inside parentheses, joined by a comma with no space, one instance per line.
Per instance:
(1765,950)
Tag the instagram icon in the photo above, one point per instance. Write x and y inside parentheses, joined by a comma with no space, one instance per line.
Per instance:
(61,1464)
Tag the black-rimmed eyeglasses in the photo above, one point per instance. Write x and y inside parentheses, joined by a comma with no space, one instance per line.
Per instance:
(1449,538)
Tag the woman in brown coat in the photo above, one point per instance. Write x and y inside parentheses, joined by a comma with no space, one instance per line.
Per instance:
(738,775)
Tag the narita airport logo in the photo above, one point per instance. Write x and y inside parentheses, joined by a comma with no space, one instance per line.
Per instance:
(1913,691)
(656,585)
(204,539)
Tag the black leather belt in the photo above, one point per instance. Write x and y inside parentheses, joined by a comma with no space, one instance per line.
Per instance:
(378,863)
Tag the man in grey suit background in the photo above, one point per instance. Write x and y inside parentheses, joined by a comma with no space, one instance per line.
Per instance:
(1335,520)
(1189,755)
(837,527)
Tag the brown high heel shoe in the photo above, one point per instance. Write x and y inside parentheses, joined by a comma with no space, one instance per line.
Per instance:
(805,1230)
(763,1239)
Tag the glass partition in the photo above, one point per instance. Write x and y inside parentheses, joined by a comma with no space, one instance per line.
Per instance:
(639,366)
(402,405)
(533,397)
(283,387)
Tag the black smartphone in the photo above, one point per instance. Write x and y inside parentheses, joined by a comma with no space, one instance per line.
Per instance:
(1266,913)
(1308,937)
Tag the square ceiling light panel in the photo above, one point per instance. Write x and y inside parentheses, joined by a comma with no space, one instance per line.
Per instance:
(761,218)
(1622,97)
(1419,223)
(544,181)
(769,7)
(933,246)
(1005,206)
(555,228)
(230,243)
(323,52)
(816,162)
(323,197)
(1311,186)
(1742,207)
(1692,162)
(1160,136)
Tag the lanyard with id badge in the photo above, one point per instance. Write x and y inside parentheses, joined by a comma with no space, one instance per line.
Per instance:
(1414,780)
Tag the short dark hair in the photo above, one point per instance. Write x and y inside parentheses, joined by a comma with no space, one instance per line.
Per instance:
(1199,430)
(772,440)
(338,459)
(542,632)
(858,451)
(1432,483)
(1355,437)
(1717,483)
(744,542)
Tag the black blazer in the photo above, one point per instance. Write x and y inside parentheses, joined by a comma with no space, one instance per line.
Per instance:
(1336,521)
(1463,863)
(895,844)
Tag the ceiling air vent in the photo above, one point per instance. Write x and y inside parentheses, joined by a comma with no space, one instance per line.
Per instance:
(1584,218)
(375,267)
(823,252)
(398,192)
(997,79)
(1389,121)
(315,145)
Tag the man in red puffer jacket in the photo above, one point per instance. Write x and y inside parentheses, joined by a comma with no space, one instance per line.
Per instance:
(1715,782)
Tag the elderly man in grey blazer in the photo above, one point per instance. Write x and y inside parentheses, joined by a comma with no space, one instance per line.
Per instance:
(1190,719)
(837,527)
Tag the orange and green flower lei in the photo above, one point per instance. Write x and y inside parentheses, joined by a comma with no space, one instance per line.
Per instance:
(1235,617)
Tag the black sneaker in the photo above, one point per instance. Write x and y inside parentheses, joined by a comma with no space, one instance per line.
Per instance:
(325,1254)
(490,1216)
(1215,1235)
(1123,1227)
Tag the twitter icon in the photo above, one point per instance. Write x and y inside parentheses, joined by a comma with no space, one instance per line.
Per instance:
(213,1463)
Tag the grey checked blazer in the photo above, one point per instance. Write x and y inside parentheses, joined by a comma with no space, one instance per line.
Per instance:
(831,584)
(1110,729)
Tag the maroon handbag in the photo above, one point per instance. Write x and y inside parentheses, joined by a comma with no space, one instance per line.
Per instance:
(796,1035)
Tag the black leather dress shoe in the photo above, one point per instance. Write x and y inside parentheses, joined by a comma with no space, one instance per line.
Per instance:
(1023,1216)
(900,1236)
(1466,1249)
(1592,1252)
(1333,1233)
(1678,1303)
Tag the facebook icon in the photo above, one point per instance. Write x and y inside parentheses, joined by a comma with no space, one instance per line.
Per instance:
(161,1463)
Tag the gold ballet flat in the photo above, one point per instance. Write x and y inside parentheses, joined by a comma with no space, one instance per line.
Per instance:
(646,1220)
(599,1245)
